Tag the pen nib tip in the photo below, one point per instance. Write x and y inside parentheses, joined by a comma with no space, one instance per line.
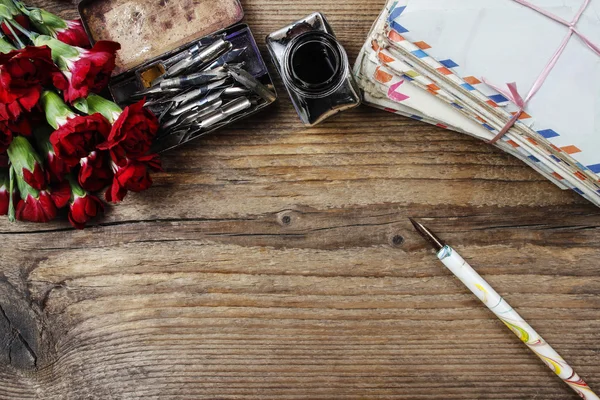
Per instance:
(417,225)
(436,242)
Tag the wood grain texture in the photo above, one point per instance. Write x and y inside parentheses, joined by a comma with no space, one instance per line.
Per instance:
(272,261)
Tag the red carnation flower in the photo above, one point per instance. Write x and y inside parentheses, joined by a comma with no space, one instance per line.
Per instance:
(36,178)
(84,206)
(3,160)
(83,209)
(36,209)
(60,194)
(78,137)
(87,71)
(9,129)
(42,206)
(132,175)
(96,172)
(132,133)
(35,204)
(56,168)
(23,73)
(92,71)
(74,34)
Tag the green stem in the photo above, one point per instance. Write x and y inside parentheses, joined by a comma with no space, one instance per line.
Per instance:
(11,191)
(30,35)
(16,37)
(76,190)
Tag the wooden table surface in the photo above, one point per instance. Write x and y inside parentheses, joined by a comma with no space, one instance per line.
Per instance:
(272,261)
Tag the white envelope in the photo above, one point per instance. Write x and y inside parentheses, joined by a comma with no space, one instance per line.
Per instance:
(503,41)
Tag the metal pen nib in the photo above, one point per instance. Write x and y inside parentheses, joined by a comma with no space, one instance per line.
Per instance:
(227,58)
(437,243)
(192,51)
(246,79)
(154,91)
(209,54)
(199,78)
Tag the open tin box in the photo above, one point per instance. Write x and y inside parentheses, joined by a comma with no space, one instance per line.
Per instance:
(151,32)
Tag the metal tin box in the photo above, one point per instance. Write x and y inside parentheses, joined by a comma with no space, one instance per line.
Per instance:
(152,31)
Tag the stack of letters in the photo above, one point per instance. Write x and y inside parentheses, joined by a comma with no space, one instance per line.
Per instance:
(524,75)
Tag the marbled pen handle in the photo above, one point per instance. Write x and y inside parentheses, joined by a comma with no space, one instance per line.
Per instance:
(463,271)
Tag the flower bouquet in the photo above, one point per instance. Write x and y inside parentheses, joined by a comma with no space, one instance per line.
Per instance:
(61,142)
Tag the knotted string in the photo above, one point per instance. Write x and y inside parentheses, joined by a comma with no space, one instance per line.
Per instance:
(513,95)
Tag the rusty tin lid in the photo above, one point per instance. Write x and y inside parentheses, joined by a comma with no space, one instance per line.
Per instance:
(149,28)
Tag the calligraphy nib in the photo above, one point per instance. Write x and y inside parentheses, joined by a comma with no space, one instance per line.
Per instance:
(435,241)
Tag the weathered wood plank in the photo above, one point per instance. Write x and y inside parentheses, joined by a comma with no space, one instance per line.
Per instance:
(274,261)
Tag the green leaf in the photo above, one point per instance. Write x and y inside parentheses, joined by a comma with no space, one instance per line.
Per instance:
(5,13)
(61,52)
(11,7)
(22,155)
(81,105)
(5,46)
(57,112)
(97,104)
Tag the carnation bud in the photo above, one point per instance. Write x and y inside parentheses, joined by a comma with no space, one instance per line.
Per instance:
(34,205)
(26,163)
(46,23)
(87,71)
(132,175)
(84,206)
